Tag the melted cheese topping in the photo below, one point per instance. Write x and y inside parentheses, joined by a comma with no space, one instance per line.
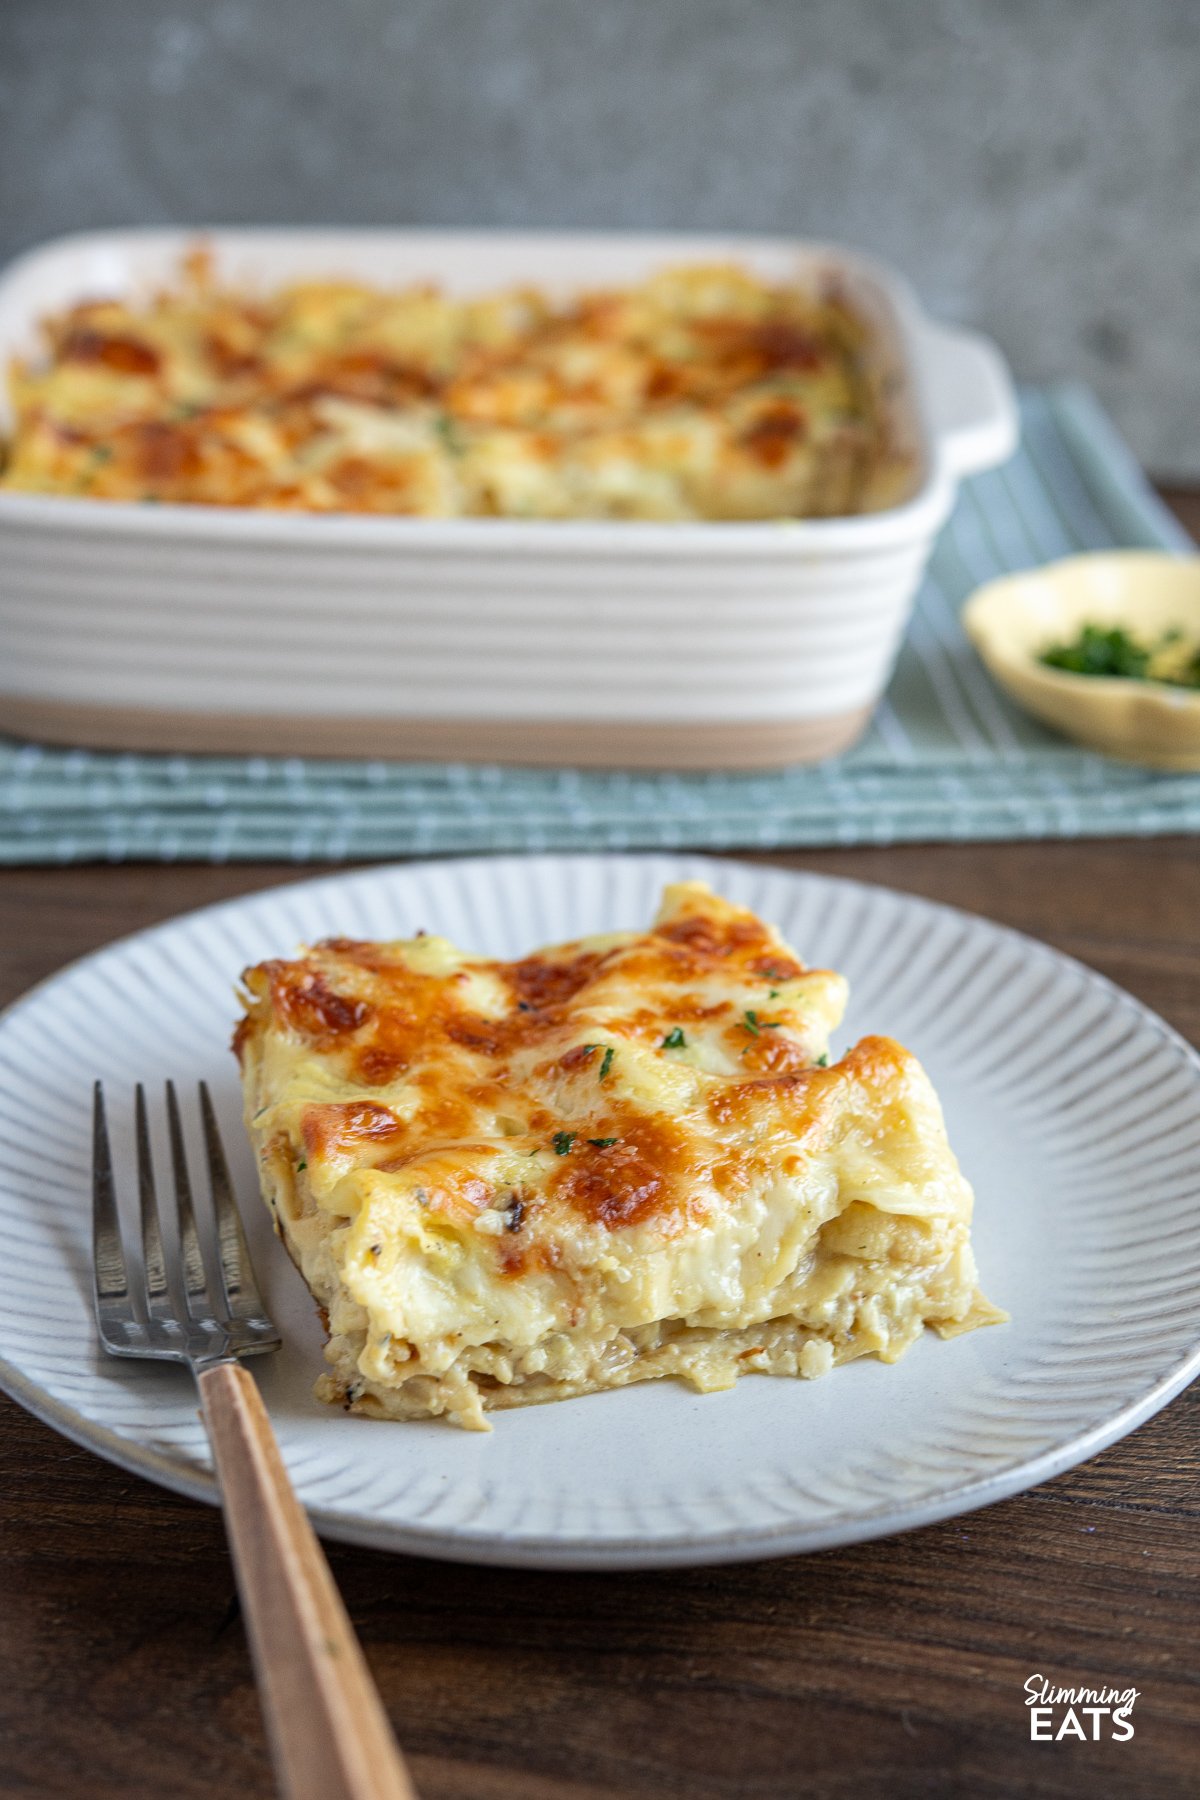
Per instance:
(618,1158)
(703,393)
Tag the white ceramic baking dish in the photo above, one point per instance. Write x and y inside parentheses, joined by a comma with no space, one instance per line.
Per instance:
(623,643)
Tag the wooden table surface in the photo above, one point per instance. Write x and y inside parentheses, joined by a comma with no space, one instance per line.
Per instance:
(894,1668)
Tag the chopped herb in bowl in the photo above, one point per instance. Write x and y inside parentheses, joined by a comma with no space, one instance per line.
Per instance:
(1112,651)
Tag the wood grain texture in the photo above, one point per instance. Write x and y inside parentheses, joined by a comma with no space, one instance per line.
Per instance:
(890,1669)
(329,1736)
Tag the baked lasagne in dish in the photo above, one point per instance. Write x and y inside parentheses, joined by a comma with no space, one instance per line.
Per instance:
(613,1160)
(701,393)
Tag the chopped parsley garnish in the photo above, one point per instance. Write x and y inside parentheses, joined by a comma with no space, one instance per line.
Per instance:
(1114,652)
(447,430)
(563,1141)
(823,1060)
(301,1165)
(1099,652)
(674,1040)
(602,1143)
(754,1025)
(774,994)
(606,1060)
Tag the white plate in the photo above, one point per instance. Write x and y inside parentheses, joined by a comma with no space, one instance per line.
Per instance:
(1074,1110)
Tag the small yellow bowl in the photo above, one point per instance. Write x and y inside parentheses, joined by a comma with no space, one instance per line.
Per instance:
(1012,621)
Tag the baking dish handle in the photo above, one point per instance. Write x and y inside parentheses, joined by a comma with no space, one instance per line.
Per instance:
(972,409)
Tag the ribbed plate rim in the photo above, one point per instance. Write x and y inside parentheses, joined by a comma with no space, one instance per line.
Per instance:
(704,1547)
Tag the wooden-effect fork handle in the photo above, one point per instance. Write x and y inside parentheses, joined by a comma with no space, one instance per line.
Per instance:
(329,1735)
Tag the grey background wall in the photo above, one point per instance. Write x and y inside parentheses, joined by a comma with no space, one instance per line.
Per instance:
(1034,165)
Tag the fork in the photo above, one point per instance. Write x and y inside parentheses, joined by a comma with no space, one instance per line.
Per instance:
(329,1735)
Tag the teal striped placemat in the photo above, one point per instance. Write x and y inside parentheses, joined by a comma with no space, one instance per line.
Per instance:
(946,756)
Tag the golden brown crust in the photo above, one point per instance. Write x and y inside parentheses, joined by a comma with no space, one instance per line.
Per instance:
(380,1021)
(614,1160)
(701,393)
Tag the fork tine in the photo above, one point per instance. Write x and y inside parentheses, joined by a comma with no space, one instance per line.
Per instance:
(194,1277)
(174,1307)
(237,1271)
(108,1257)
(158,1299)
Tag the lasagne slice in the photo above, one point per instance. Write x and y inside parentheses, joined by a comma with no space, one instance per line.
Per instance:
(616,1159)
